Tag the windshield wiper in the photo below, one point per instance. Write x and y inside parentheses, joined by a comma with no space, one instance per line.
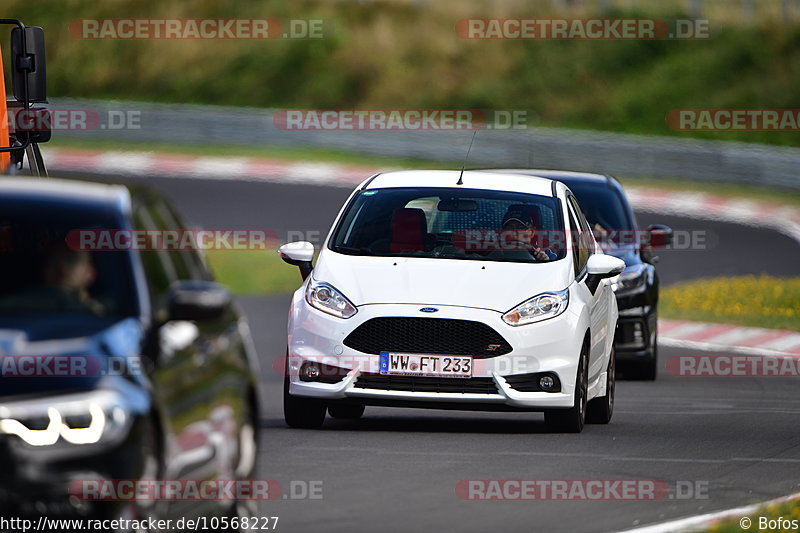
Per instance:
(353,250)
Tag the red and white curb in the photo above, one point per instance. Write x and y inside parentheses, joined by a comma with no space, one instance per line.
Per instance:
(732,339)
(705,521)
(782,218)
(202,167)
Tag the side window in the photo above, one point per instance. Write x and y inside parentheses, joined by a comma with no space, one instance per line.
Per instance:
(192,261)
(159,270)
(584,239)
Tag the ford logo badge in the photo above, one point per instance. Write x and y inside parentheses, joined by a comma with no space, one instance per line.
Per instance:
(428,309)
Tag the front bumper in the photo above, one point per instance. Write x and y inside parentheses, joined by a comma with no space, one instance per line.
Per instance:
(552,346)
(37,482)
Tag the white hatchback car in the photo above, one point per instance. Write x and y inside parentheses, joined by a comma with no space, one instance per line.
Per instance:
(436,289)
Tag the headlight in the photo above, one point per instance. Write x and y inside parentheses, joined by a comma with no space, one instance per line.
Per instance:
(327,299)
(631,278)
(540,307)
(69,420)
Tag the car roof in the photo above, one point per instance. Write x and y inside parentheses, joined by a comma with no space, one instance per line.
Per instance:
(64,191)
(498,181)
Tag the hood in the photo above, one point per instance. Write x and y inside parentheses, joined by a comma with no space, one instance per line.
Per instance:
(94,340)
(494,285)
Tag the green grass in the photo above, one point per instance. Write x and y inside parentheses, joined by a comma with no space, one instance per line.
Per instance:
(369,60)
(250,272)
(787,511)
(762,301)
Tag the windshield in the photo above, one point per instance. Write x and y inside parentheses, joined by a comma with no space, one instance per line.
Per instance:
(452,223)
(41,275)
(604,211)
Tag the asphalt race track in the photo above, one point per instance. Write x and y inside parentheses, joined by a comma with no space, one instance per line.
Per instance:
(736,440)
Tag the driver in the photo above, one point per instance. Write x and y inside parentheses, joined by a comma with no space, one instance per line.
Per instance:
(519,233)
(67,275)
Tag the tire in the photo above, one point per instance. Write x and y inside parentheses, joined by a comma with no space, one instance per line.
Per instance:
(573,419)
(346,411)
(600,410)
(302,413)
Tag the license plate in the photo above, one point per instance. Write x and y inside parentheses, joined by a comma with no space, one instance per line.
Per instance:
(450,366)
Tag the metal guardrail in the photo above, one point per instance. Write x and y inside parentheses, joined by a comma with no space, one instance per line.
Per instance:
(613,153)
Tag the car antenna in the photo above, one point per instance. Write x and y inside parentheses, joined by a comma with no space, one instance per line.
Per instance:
(461,175)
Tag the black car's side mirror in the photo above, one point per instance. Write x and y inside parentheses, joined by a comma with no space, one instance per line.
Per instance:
(660,236)
(198,300)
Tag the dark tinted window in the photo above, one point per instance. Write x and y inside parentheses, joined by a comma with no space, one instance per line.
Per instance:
(602,207)
(43,269)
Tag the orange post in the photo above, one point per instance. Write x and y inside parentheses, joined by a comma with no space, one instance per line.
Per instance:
(5,159)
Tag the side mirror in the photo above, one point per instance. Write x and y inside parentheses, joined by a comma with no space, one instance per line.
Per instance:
(198,300)
(660,236)
(299,254)
(602,266)
(28,64)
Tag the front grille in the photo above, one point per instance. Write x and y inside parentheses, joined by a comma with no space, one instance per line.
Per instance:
(445,336)
(426,384)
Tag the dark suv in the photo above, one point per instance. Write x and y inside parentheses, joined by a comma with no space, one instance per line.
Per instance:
(608,211)
(166,385)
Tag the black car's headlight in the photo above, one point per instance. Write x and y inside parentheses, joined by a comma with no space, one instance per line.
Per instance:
(82,419)
(327,299)
(632,278)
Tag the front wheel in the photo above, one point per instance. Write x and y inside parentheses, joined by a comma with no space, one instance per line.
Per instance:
(303,413)
(599,410)
(573,419)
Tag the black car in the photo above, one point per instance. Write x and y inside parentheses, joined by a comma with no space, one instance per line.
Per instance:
(167,387)
(608,211)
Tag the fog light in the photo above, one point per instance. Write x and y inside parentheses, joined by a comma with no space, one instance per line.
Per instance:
(638,333)
(309,372)
(546,383)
